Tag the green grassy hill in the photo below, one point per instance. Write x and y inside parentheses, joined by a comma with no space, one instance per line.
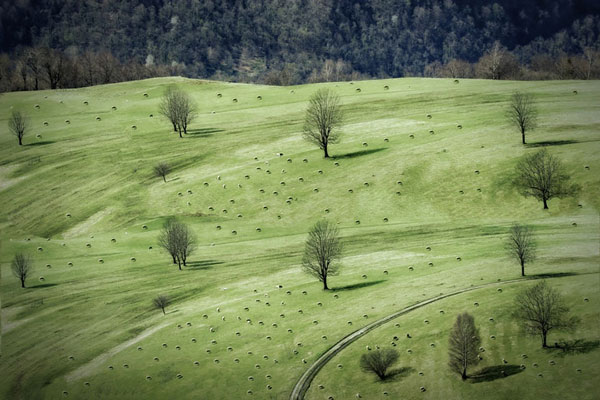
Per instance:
(81,191)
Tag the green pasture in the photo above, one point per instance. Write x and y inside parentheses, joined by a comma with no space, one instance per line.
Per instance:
(81,191)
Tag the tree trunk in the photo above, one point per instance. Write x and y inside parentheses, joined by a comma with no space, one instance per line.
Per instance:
(325,151)
(179,263)
(325,283)
(544,344)
(522,268)
(174,259)
(20,140)
(523,135)
(180,132)
(163,309)
(464,374)
(174,127)
(165,178)
(23,283)
(545,203)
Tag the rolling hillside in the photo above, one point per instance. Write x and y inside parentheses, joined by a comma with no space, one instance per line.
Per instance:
(420,186)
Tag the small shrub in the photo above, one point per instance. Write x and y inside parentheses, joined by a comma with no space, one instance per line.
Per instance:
(379,361)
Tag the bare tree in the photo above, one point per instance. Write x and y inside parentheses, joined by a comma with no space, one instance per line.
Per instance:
(497,63)
(185,110)
(161,170)
(323,117)
(167,240)
(591,55)
(541,175)
(379,361)
(521,245)
(522,112)
(178,240)
(463,344)
(33,59)
(18,124)
(541,309)
(22,71)
(161,302)
(89,68)
(22,267)
(53,63)
(458,69)
(321,251)
(178,108)
(108,67)
(166,107)
(185,241)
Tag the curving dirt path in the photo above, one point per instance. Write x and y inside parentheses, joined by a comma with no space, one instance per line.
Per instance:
(306,379)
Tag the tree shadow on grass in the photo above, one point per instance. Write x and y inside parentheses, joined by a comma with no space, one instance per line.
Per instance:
(553,275)
(576,346)
(202,265)
(551,143)
(492,373)
(358,153)
(40,143)
(203,132)
(397,374)
(356,286)
(43,285)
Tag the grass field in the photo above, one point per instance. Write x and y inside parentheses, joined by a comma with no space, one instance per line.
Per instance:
(82,193)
